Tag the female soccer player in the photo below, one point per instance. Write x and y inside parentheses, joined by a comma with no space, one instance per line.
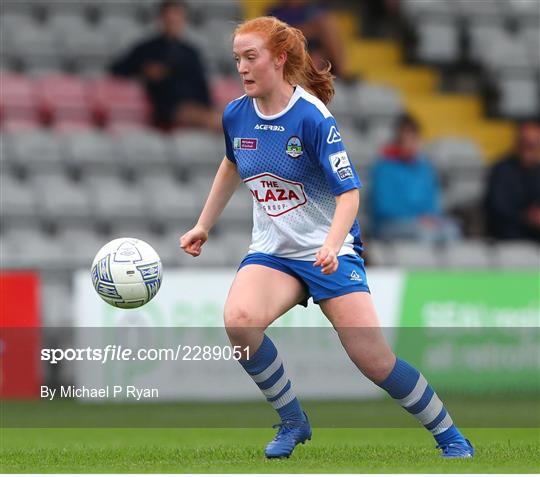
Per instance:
(284,144)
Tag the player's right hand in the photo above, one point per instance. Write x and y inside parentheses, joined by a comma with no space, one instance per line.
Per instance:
(191,242)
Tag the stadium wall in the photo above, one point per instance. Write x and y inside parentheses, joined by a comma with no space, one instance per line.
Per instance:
(471,331)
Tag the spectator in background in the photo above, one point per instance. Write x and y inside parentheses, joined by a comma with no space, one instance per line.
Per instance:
(172,73)
(319,25)
(513,190)
(404,198)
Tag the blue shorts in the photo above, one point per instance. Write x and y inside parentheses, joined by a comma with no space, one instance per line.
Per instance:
(350,276)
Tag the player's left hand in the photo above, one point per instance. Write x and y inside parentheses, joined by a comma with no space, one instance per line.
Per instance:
(327,259)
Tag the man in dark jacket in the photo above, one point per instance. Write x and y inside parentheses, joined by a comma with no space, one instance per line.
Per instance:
(513,190)
(172,73)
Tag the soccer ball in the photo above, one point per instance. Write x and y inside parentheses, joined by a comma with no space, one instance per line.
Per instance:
(127,273)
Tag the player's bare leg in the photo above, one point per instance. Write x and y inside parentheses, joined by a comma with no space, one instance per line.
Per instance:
(258,296)
(355,319)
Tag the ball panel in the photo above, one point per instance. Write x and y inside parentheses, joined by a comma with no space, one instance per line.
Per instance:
(127,272)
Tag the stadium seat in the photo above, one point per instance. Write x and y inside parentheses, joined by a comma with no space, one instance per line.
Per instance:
(523,9)
(141,231)
(483,9)
(467,254)
(168,245)
(466,190)
(239,208)
(63,97)
(454,153)
(121,31)
(18,200)
(119,99)
(114,199)
(228,10)
(379,254)
(35,47)
(520,95)
(224,90)
(142,150)
(169,199)
(361,150)
(371,100)
(236,243)
(80,243)
(117,127)
(31,247)
(438,42)
(17,97)
(34,150)
(509,54)
(91,151)
(72,126)
(481,36)
(59,198)
(217,48)
(15,125)
(341,104)
(432,9)
(196,150)
(516,254)
(413,254)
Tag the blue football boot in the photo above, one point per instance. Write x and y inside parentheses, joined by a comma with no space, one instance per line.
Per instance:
(457,450)
(289,435)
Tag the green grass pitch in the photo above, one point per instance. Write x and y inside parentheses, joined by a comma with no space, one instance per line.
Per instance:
(499,450)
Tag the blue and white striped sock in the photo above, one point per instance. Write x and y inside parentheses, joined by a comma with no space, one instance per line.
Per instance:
(409,387)
(266,369)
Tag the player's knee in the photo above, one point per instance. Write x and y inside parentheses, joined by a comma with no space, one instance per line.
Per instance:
(378,368)
(238,318)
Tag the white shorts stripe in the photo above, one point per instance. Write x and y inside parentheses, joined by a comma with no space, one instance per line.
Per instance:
(444,425)
(414,396)
(271,369)
(431,411)
(283,400)
(276,388)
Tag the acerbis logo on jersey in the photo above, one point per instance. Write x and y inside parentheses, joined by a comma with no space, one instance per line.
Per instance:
(269,127)
(245,143)
(333,136)
(276,195)
(294,147)
(341,165)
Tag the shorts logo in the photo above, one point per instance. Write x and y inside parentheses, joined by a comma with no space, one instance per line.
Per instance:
(245,143)
(341,165)
(355,277)
(275,195)
(294,147)
(333,136)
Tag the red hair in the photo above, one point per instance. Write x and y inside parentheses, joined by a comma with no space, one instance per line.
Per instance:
(299,67)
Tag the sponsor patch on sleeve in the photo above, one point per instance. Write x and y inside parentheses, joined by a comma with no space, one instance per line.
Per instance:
(339,160)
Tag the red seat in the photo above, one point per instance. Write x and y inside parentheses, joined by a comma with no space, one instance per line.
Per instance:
(224,89)
(69,126)
(63,97)
(17,125)
(118,127)
(17,97)
(118,99)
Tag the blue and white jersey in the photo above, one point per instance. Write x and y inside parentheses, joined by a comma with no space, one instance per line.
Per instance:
(294,164)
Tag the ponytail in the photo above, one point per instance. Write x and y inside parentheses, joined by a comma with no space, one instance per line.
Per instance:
(299,67)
